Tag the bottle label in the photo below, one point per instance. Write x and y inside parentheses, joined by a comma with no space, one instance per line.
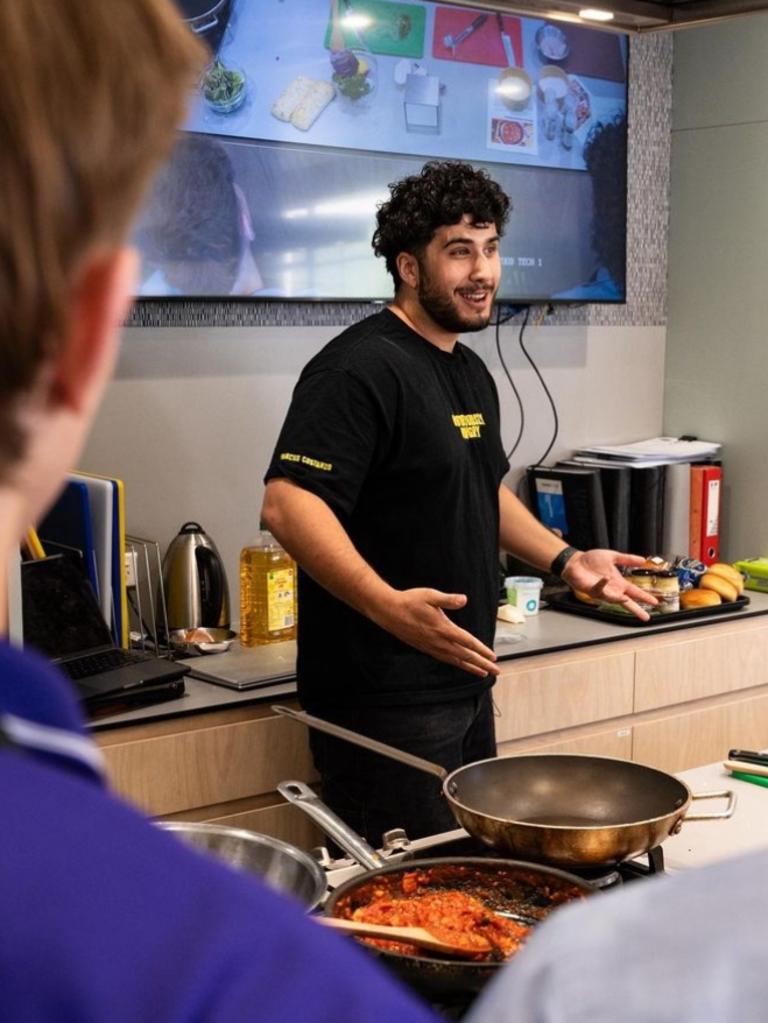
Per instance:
(281,584)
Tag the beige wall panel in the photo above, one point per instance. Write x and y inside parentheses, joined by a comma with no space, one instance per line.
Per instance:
(212,765)
(681,741)
(562,694)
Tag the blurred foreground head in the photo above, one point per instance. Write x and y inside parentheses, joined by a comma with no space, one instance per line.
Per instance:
(90,94)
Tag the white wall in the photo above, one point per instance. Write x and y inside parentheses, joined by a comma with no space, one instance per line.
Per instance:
(717,344)
(191,418)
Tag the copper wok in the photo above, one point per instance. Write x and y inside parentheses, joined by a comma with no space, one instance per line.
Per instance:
(560,808)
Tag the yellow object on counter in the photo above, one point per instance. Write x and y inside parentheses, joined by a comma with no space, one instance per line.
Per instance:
(268,608)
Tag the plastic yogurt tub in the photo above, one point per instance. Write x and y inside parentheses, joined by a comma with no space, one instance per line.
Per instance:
(523,592)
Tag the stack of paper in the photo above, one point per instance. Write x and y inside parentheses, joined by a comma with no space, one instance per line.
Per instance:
(657,449)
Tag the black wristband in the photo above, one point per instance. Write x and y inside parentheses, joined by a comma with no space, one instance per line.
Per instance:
(561,560)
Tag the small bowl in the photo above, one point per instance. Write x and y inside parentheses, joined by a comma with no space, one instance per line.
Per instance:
(553,79)
(552,43)
(514,88)
(231,99)
(201,640)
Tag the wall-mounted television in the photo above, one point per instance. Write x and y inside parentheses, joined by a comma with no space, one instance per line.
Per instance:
(310,108)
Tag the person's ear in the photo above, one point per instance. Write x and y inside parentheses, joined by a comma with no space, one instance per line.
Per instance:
(99,303)
(408,268)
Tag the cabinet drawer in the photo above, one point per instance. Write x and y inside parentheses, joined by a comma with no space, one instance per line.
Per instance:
(280,821)
(212,765)
(561,694)
(700,667)
(613,743)
(681,741)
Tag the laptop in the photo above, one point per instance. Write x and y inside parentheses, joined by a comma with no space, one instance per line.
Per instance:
(63,621)
(243,667)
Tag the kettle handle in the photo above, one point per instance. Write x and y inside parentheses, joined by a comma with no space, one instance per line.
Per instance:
(191,527)
(211,578)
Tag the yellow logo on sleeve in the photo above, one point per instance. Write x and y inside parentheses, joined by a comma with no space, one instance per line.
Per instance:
(289,456)
(469,424)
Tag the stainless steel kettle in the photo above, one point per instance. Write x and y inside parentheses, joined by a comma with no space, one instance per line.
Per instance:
(196,590)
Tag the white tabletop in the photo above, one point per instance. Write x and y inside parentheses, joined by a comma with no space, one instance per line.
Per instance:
(702,842)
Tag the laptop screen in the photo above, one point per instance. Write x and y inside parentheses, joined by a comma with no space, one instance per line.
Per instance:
(61,615)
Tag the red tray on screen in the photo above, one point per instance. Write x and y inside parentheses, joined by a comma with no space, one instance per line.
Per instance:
(570,604)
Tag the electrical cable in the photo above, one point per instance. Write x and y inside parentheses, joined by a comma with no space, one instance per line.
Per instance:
(535,368)
(508,375)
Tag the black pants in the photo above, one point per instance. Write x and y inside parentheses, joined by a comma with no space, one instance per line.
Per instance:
(372,793)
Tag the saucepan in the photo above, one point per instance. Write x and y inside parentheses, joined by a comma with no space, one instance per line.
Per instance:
(566,809)
(525,892)
(281,866)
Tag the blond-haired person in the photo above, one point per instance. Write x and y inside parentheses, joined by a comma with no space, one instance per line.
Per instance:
(102,916)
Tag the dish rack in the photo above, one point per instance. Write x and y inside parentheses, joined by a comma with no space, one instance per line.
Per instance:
(147,607)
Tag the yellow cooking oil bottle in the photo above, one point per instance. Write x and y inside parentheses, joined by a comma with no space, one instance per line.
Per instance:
(267,592)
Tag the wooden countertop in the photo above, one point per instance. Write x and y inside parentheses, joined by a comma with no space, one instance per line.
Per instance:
(545,633)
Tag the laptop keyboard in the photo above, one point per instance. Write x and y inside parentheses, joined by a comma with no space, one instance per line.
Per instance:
(93,664)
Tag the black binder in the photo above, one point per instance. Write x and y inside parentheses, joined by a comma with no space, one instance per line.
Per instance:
(646,509)
(569,501)
(615,480)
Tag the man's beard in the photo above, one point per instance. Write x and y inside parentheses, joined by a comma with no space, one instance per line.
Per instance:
(443,309)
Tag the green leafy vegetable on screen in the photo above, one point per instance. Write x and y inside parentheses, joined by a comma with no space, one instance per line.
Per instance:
(222,84)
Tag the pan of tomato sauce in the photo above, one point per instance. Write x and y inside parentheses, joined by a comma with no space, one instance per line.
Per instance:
(488,906)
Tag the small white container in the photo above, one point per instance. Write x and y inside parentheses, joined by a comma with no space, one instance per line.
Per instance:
(523,592)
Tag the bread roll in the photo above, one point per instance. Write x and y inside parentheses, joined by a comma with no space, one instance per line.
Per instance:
(585,598)
(290,98)
(712,581)
(698,598)
(728,572)
(312,104)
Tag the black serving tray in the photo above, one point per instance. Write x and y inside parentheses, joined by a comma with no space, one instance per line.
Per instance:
(567,602)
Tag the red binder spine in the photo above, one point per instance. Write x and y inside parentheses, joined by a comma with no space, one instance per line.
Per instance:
(695,510)
(712,478)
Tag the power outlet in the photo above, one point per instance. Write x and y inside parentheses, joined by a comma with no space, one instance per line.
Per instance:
(131,574)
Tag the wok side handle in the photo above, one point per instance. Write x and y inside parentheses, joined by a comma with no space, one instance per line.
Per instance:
(301,795)
(362,740)
(718,815)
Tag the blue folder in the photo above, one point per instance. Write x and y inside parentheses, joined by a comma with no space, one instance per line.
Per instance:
(69,526)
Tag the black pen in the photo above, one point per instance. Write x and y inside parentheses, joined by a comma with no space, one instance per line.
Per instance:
(748,756)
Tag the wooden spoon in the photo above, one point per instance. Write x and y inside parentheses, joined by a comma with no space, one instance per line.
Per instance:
(419,936)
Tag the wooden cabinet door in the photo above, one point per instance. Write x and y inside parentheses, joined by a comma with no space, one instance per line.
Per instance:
(706,662)
(699,737)
(553,692)
(203,766)
(612,743)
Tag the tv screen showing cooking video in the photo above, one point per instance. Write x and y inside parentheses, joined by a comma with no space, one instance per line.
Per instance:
(310,108)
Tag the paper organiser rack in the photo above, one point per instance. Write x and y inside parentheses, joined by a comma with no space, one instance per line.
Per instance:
(147,607)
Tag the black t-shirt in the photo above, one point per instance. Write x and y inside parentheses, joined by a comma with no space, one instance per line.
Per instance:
(402,441)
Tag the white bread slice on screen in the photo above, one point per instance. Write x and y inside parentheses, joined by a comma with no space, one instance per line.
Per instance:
(312,104)
(290,97)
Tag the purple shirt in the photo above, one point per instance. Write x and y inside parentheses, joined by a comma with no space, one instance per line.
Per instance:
(104,917)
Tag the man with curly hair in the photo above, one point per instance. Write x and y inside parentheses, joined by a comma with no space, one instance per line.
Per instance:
(386,486)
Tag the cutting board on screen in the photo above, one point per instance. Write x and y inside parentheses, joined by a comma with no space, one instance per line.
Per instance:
(396,30)
(593,54)
(483,46)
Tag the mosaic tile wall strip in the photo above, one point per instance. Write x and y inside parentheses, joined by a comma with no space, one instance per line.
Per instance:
(650,122)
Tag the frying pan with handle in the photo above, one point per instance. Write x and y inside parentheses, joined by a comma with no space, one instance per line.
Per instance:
(567,809)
